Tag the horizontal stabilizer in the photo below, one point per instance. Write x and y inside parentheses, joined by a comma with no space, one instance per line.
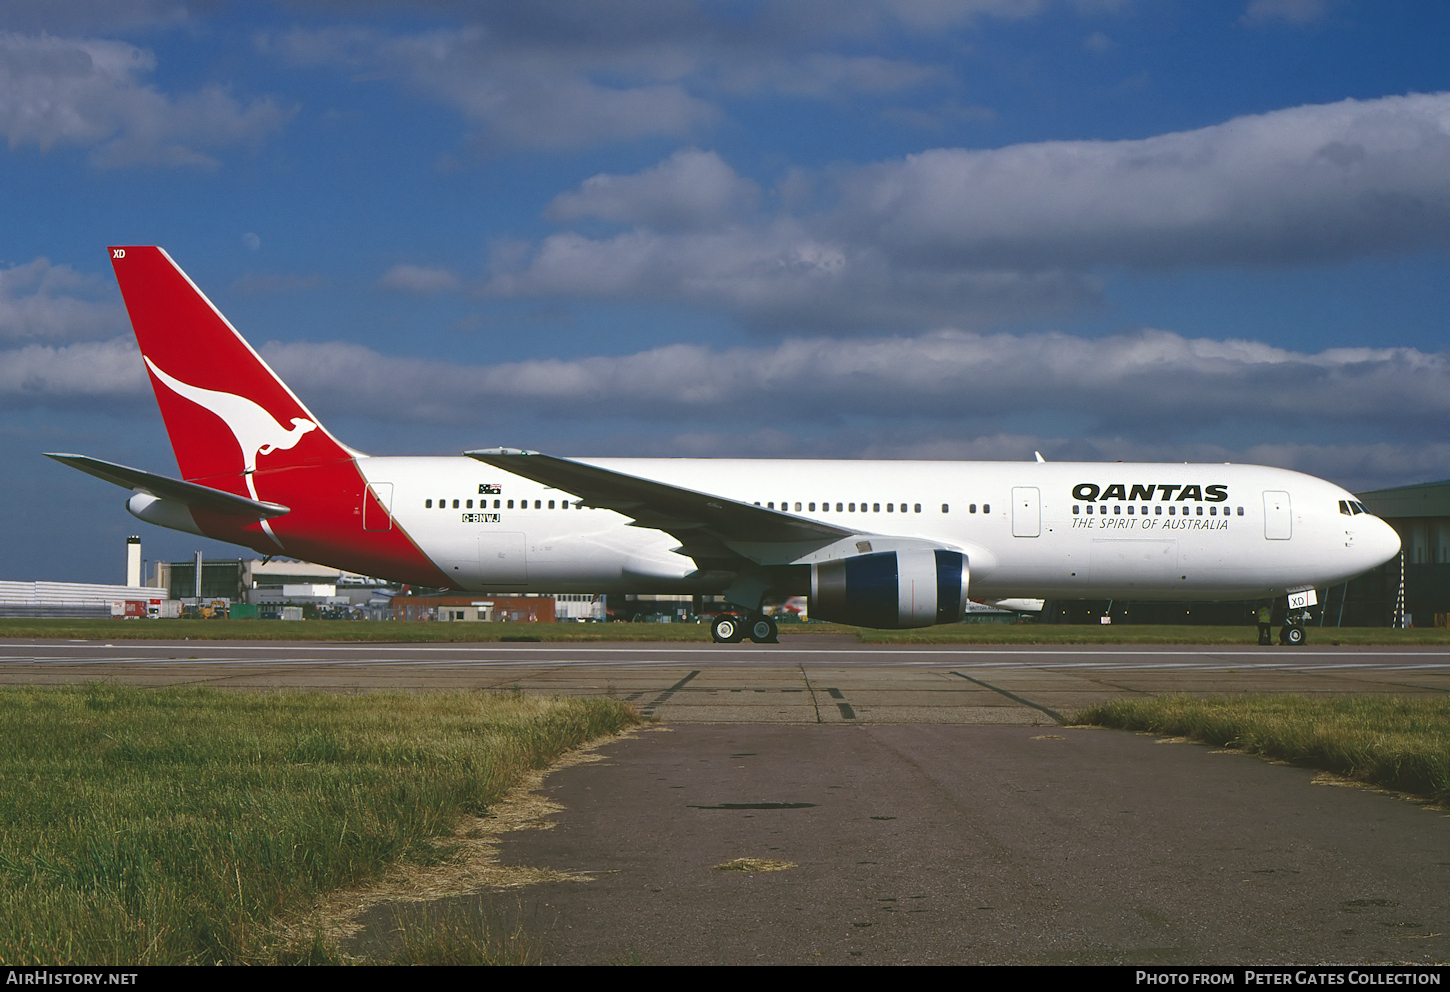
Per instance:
(187,493)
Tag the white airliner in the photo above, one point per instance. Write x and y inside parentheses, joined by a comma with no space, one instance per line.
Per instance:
(885,544)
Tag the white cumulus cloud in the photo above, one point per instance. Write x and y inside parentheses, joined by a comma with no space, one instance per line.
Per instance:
(567,74)
(1308,184)
(966,237)
(419,279)
(530,95)
(692,189)
(1149,384)
(39,300)
(90,93)
(89,372)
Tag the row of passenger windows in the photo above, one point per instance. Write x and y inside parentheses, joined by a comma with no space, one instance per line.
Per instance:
(786,505)
(499,504)
(1158,510)
(867,507)
(483,504)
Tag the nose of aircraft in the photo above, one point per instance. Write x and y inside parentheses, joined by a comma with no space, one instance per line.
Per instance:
(1379,542)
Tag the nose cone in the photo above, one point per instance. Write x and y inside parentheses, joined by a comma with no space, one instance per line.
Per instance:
(1379,542)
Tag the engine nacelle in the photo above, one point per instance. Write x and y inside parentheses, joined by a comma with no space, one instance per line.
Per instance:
(163,513)
(891,589)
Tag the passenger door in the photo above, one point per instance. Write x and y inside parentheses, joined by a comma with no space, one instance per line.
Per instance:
(1278,516)
(1026,512)
(378,495)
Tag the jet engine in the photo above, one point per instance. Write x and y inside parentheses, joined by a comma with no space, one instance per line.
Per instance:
(891,589)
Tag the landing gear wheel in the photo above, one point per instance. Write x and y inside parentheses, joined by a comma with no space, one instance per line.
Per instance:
(727,629)
(1293,635)
(762,630)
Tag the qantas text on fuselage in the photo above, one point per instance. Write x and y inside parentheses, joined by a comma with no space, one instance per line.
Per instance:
(1091,492)
(880,543)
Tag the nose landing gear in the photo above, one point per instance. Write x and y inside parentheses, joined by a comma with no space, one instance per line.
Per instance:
(1293,630)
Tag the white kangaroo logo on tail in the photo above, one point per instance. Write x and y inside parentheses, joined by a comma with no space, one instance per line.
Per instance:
(257,432)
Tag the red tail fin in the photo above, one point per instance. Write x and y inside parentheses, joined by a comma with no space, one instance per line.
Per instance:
(236,427)
(226,412)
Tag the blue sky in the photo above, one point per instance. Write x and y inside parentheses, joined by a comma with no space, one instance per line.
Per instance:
(1102,229)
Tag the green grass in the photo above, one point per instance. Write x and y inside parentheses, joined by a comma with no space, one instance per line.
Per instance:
(1397,743)
(387,631)
(415,632)
(452,936)
(182,826)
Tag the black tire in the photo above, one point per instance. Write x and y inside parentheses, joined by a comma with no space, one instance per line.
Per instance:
(1294,635)
(762,630)
(727,629)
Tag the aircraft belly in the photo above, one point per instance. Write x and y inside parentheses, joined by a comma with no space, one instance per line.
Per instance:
(1144,565)
(491,559)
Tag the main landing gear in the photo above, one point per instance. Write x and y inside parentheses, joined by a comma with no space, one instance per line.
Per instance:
(731,629)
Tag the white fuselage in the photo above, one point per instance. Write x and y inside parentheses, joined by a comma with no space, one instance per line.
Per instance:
(1150,531)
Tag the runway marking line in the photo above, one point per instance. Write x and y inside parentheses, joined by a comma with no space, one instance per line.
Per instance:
(874,649)
(1389,663)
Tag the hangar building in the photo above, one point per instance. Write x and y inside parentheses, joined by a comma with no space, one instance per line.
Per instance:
(1414,589)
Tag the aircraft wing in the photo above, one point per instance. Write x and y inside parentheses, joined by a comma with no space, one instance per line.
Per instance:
(710,528)
(187,493)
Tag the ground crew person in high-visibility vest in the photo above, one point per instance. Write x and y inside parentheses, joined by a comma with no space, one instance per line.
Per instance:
(1264,615)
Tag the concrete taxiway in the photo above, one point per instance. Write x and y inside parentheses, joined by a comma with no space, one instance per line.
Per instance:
(807,679)
(925,802)
(965,845)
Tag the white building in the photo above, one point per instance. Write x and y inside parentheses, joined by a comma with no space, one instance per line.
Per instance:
(89,599)
(578,606)
(78,599)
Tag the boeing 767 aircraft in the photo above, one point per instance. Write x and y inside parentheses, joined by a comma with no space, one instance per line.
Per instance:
(877,543)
